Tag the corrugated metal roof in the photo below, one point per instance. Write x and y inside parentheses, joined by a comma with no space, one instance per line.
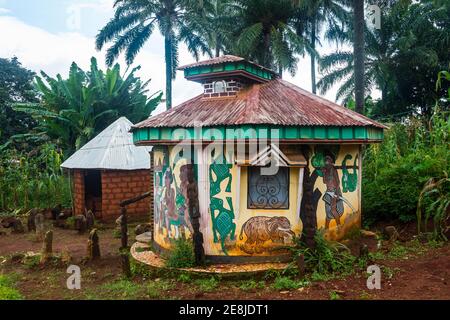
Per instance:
(276,102)
(112,149)
(218,60)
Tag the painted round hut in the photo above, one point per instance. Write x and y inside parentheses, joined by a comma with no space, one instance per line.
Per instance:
(253,162)
(108,170)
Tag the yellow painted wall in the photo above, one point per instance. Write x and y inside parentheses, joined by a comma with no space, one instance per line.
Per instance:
(238,247)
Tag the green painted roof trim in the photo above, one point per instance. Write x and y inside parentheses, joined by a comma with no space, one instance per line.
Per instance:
(229,67)
(258,132)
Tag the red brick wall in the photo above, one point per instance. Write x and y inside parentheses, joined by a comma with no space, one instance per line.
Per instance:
(78,191)
(122,185)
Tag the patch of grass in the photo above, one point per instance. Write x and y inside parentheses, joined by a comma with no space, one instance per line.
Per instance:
(123,289)
(252,285)
(7,288)
(207,285)
(117,234)
(271,274)
(317,276)
(182,255)
(31,261)
(389,272)
(334,295)
(185,277)
(285,283)
(158,289)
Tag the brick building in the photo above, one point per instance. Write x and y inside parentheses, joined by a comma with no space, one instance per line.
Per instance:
(108,170)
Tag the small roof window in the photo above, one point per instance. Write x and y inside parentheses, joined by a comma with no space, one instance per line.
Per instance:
(219,86)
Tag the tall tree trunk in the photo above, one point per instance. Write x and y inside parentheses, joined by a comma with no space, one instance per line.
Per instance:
(267,63)
(217,47)
(313,58)
(358,52)
(169,60)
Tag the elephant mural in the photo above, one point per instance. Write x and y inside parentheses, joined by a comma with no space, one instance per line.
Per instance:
(258,230)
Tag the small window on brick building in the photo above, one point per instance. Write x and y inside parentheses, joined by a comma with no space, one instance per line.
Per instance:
(219,86)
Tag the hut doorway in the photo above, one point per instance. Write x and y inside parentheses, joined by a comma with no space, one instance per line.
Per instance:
(93,191)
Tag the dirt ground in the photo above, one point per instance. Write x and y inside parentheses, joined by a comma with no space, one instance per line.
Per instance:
(410,271)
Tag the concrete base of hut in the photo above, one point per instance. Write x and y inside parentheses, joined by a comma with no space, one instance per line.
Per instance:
(141,252)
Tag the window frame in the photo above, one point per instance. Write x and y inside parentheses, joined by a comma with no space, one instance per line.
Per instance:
(288,183)
(224,86)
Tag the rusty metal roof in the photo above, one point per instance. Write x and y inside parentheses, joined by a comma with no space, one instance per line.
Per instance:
(276,102)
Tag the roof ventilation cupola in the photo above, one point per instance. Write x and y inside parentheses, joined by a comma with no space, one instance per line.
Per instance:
(225,76)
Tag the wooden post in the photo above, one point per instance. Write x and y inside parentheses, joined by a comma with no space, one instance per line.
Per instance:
(93,245)
(123,228)
(194,215)
(47,247)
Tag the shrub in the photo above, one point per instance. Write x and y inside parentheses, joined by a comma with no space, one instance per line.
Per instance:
(7,290)
(182,255)
(396,171)
(327,257)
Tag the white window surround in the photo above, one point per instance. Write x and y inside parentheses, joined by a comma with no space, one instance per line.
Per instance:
(219,86)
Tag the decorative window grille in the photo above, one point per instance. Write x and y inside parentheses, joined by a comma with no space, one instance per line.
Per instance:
(268,191)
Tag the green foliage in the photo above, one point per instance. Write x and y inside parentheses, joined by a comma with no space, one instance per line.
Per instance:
(15,86)
(31,261)
(7,290)
(207,285)
(334,295)
(135,21)
(252,285)
(32,180)
(402,59)
(395,172)
(123,289)
(286,283)
(182,255)
(265,33)
(157,289)
(436,193)
(74,110)
(327,258)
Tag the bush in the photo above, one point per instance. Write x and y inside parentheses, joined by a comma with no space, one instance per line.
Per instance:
(396,171)
(181,255)
(7,290)
(327,258)
(33,180)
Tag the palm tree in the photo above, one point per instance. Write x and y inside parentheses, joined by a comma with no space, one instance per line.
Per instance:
(135,20)
(265,34)
(72,111)
(221,19)
(312,16)
(382,48)
(358,52)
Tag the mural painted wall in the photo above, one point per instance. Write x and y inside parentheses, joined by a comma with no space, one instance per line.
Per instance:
(338,210)
(233,227)
(171,214)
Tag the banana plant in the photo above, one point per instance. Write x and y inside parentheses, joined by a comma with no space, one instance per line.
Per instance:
(74,110)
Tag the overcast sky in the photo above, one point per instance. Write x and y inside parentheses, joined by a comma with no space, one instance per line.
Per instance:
(49,34)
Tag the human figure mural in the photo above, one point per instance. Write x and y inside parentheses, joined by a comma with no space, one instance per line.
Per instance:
(334,204)
(171,207)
